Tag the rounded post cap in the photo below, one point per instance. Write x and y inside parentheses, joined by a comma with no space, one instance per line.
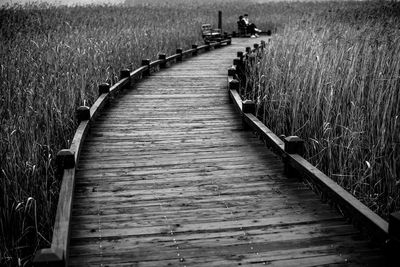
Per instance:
(65,159)
(124,73)
(194,46)
(293,138)
(104,88)
(231,71)
(248,106)
(234,84)
(145,62)
(83,113)
(162,56)
(179,51)
(294,145)
(248,102)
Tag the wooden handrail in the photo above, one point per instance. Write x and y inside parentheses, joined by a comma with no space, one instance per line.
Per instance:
(267,135)
(189,52)
(378,228)
(57,254)
(155,63)
(172,58)
(353,208)
(138,72)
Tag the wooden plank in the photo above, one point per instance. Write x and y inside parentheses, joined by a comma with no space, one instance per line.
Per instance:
(168,165)
(233,252)
(369,219)
(227,238)
(59,250)
(271,138)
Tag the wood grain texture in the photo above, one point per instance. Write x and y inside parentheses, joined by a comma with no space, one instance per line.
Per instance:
(168,177)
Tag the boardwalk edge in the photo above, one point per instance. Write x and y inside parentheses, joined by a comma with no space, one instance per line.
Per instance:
(378,229)
(57,254)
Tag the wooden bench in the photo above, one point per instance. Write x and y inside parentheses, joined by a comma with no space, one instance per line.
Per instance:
(209,34)
(242,30)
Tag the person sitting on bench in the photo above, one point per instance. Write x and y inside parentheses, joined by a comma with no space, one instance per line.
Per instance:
(242,27)
(251,27)
(242,23)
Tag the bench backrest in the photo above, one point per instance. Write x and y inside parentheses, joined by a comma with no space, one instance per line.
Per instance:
(206,28)
(242,28)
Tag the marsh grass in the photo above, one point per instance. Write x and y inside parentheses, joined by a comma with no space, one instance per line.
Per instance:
(53,58)
(51,61)
(333,78)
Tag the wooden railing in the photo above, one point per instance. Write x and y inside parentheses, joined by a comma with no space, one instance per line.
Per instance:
(68,159)
(290,150)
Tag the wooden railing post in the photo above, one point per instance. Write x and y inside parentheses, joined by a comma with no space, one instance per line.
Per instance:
(83,113)
(248,49)
(146,62)
(248,106)
(179,51)
(163,57)
(194,53)
(256,46)
(233,85)
(239,65)
(49,257)
(394,238)
(104,88)
(65,159)
(232,71)
(293,145)
(124,73)
(238,62)
(240,55)
(208,47)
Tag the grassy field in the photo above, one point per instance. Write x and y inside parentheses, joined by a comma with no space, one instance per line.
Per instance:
(333,78)
(53,58)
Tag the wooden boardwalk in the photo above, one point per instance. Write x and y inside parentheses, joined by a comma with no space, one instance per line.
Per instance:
(169,178)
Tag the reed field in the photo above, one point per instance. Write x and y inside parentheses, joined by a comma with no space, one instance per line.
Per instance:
(333,78)
(331,72)
(52,60)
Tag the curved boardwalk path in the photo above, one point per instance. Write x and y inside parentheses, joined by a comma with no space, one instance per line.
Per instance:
(169,178)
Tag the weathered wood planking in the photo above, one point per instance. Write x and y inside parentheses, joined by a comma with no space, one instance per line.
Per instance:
(168,177)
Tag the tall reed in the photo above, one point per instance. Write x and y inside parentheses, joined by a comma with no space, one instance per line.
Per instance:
(333,78)
(51,61)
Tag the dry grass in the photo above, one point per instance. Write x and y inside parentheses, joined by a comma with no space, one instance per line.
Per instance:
(333,78)
(51,61)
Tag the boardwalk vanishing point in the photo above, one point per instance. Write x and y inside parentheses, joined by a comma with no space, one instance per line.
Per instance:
(168,177)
